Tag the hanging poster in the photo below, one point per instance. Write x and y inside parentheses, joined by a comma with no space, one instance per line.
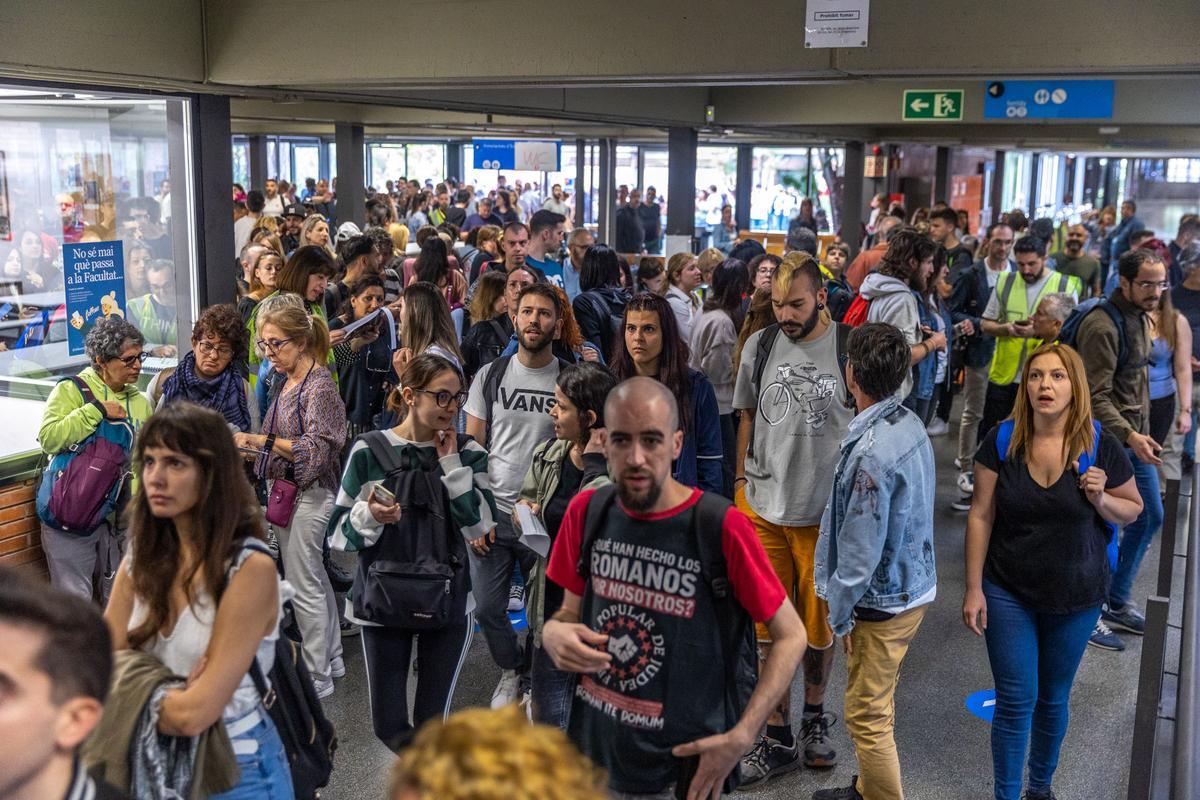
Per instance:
(95,287)
(836,23)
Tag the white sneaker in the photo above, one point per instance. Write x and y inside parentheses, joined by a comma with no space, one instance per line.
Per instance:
(966,482)
(938,427)
(323,688)
(516,597)
(527,704)
(337,667)
(507,689)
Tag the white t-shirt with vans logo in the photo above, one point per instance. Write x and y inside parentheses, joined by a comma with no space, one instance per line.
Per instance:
(520,422)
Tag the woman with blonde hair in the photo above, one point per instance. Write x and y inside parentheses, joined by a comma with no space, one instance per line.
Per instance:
(486,754)
(426,327)
(264,270)
(1048,485)
(683,278)
(267,239)
(299,453)
(315,231)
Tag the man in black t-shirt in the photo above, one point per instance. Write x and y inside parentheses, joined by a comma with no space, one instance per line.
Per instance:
(644,629)
(650,213)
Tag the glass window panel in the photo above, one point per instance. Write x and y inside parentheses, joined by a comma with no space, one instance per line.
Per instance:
(306,161)
(828,169)
(387,163)
(241,161)
(426,162)
(781,179)
(94,169)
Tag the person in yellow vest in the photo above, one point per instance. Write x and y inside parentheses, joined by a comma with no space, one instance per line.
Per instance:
(1008,317)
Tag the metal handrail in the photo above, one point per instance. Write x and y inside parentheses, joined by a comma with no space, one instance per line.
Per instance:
(1185,772)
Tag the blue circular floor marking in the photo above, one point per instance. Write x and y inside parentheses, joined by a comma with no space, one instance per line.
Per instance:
(982,704)
(517,618)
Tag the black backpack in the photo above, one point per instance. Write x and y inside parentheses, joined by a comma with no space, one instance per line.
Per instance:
(767,340)
(491,390)
(739,644)
(415,576)
(291,701)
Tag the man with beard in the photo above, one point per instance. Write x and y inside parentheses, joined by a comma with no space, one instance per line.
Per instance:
(893,289)
(508,413)
(644,624)
(1072,260)
(791,392)
(1007,317)
(1121,403)
(293,219)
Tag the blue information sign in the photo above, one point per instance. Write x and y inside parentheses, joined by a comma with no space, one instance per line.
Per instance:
(95,287)
(534,155)
(1052,99)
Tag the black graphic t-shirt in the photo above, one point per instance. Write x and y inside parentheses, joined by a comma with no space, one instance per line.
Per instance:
(520,422)
(666,684)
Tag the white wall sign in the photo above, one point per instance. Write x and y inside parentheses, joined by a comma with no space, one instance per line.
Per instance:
(836,23)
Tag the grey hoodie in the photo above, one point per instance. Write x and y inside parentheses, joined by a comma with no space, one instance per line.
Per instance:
(893,302)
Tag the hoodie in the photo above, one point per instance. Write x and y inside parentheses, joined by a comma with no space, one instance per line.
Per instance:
(892,301)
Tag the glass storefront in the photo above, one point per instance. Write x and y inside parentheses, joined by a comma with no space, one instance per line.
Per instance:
(88,168)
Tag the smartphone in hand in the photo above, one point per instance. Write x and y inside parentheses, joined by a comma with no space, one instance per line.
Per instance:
(383,496)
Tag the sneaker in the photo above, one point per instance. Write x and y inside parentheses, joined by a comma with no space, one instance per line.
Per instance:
(349,628)
(939,427)
(958,463)
(516,597)
(814,733)
(1105,639)
(507,690)
(341,580)
(841,793)
(323,688)
(1044,794)
(768,759)
(526,703)
(1128,619)
(966,482)
(337,668)
(963,503)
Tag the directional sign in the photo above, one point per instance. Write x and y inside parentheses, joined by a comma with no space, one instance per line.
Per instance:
(941,105)
(522,154)
(1052,99)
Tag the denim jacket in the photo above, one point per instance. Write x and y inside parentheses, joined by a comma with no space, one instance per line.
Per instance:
(875,549)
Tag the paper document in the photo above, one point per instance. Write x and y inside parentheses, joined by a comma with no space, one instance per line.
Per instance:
(391,324)
(533,533)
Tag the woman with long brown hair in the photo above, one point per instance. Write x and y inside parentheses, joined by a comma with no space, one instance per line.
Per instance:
(1170,373)
(303,434)
(1048,483)
(199,591)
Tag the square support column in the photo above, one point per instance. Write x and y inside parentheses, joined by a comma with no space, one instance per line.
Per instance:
(207,125)
(258,162)
(941,176)
(745,184)
(681,190)
(454,160)
(606,195)
(997,196)
(580,181)
(1035,179)
(351,194)
(851,216)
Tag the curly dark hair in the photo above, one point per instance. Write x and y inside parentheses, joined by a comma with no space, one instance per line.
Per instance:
(906,250)
(224,322)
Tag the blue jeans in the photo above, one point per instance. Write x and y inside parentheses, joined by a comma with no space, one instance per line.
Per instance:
(1189,439)
(1034,657)
(265,771)
(1135,539)
(553,691)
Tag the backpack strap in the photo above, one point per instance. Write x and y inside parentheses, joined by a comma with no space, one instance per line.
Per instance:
(1064,282)
(499,329)
(1004,432)
(708,524)
(762,351)
(265,692)
(1088,457)
(382,451)
(843,356)
(1118,320)
(597,510)
(491,389)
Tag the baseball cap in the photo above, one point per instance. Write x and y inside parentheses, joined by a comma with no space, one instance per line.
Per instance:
(346,231)
(294,210)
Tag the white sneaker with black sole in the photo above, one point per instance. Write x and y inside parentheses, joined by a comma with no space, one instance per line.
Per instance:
(507,690)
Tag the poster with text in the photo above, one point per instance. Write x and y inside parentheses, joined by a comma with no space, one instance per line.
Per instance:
(95,278)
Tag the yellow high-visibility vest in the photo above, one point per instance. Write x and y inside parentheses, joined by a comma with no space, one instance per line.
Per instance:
(1011,351)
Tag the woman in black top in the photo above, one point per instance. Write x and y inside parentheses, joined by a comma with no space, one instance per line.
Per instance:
(600,306)
(1037,566)
(364,359)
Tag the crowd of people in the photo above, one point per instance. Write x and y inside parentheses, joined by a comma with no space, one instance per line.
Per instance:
(695,478)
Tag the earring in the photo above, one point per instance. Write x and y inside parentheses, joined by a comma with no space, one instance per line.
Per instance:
(820,306)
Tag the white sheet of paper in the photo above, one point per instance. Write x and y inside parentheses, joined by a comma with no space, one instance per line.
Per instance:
(358,323)
(533,533)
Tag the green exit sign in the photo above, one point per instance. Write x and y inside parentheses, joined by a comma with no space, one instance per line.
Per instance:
(933,104)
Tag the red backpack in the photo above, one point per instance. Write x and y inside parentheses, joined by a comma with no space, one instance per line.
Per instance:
(856,314)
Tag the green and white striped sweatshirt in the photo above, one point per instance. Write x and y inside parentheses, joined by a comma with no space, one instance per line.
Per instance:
(472,506)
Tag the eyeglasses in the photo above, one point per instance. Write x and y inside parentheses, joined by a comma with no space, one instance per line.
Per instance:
(1146,286)
(208,349)
(445,398)
(129,361)
(273,345)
